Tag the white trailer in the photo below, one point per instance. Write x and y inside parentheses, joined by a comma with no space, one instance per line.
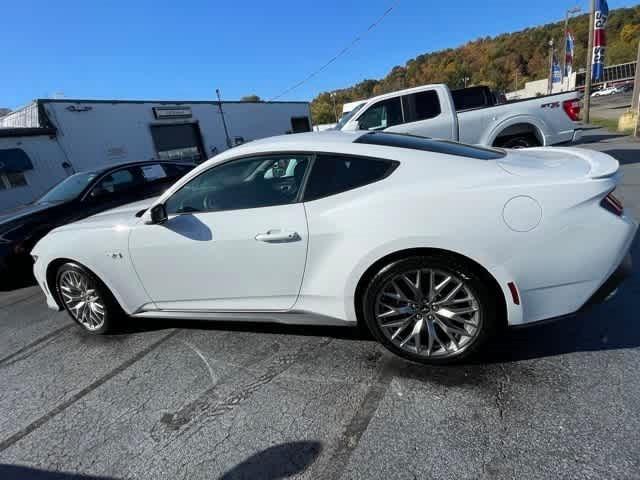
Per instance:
(50,139)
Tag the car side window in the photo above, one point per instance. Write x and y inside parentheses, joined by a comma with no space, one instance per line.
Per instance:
(383,114)
(421,105)
(154,173)
(117,182)
(176,170)
(332,174)
(253,182)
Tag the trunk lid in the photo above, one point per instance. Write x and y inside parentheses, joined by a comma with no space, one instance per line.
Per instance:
(560,163)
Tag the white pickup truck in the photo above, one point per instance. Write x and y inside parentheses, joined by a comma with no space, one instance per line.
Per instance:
(470,115)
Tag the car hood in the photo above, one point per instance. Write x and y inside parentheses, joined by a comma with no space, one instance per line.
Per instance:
(23,211)
(121,217)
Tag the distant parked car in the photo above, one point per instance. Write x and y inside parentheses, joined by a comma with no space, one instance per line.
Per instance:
(76,197)
(605,92)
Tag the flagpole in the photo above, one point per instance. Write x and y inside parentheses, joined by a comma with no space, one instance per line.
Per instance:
(550,83)
(587,78)
(568,13)
(566,31)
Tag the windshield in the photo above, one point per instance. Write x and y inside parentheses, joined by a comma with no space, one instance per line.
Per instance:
(69,188)
(347,116)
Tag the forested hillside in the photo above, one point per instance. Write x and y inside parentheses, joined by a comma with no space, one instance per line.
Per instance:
(494,61)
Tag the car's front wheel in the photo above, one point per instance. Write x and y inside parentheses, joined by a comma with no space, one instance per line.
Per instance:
(86,299)
(430,309)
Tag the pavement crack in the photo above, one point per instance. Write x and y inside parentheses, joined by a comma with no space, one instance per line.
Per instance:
(334,465)
(16,437)
(31,348)
(193,417)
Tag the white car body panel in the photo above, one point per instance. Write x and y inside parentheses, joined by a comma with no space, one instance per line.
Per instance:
(216,262)
(532,218)
(482,126)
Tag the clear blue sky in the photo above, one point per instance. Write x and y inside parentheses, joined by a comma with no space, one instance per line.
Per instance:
(143,49)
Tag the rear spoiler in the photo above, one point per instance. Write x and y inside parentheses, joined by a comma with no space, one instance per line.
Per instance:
(601,164)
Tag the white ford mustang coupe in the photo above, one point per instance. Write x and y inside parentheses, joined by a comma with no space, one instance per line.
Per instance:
(431,245)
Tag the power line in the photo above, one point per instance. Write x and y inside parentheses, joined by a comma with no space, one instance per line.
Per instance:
(340,53)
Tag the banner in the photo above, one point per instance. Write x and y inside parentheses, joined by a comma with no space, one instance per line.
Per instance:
(556,71)
(599,39)
(568,61)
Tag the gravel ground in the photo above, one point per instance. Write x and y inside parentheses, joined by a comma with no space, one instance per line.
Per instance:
(178,399)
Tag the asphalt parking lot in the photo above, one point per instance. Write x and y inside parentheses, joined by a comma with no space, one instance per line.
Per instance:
(193,400)
(612,106)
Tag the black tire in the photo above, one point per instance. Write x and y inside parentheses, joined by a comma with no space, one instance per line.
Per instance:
(112,312)
(521,141)
(487,303)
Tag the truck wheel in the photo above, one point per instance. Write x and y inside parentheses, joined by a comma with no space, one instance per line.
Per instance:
(521,141)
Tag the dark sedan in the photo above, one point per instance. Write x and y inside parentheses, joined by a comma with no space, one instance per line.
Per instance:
(78,196)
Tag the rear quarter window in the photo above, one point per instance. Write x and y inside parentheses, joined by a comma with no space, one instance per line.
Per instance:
(332,174)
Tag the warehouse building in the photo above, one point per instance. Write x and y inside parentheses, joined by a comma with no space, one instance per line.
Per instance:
(50,139)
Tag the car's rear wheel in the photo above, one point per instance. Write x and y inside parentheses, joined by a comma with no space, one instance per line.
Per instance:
(86,299)
(430,309)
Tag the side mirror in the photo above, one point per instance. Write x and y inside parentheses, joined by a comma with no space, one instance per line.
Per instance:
(157,214)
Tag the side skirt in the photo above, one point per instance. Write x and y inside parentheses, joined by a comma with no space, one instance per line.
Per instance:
(289,317)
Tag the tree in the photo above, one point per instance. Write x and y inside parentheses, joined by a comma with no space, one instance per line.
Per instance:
(251,98)
(630,33)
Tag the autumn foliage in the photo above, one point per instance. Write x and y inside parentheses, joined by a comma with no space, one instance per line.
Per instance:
(493,61)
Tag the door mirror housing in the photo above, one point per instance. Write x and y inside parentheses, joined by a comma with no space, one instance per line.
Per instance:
(157,214)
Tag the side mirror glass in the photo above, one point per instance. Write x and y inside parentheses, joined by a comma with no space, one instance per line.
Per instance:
(157,214)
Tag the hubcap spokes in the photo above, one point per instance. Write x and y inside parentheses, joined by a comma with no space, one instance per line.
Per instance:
(428,312)
(82,300)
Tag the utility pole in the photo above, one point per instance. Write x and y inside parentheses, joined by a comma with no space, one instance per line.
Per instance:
(516,85)
(635,101)
(224,123)
(588,73)
(335,109)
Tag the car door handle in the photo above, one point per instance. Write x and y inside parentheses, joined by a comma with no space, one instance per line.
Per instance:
(278,236)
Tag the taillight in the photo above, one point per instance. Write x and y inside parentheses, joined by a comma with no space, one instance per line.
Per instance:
(572,109)
(613,204)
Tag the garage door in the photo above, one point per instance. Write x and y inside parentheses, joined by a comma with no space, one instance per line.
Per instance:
(178,142)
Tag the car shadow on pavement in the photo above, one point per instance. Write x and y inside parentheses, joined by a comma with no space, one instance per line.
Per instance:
(19,472)
(625,157)
(596,138)
(611,325)
(276,462)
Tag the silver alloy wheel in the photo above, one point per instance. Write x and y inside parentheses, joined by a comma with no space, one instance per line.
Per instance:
(81,299)
(428,312)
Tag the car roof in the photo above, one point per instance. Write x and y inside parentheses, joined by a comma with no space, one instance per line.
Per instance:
(137,164)
(380,144)
(326,136)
